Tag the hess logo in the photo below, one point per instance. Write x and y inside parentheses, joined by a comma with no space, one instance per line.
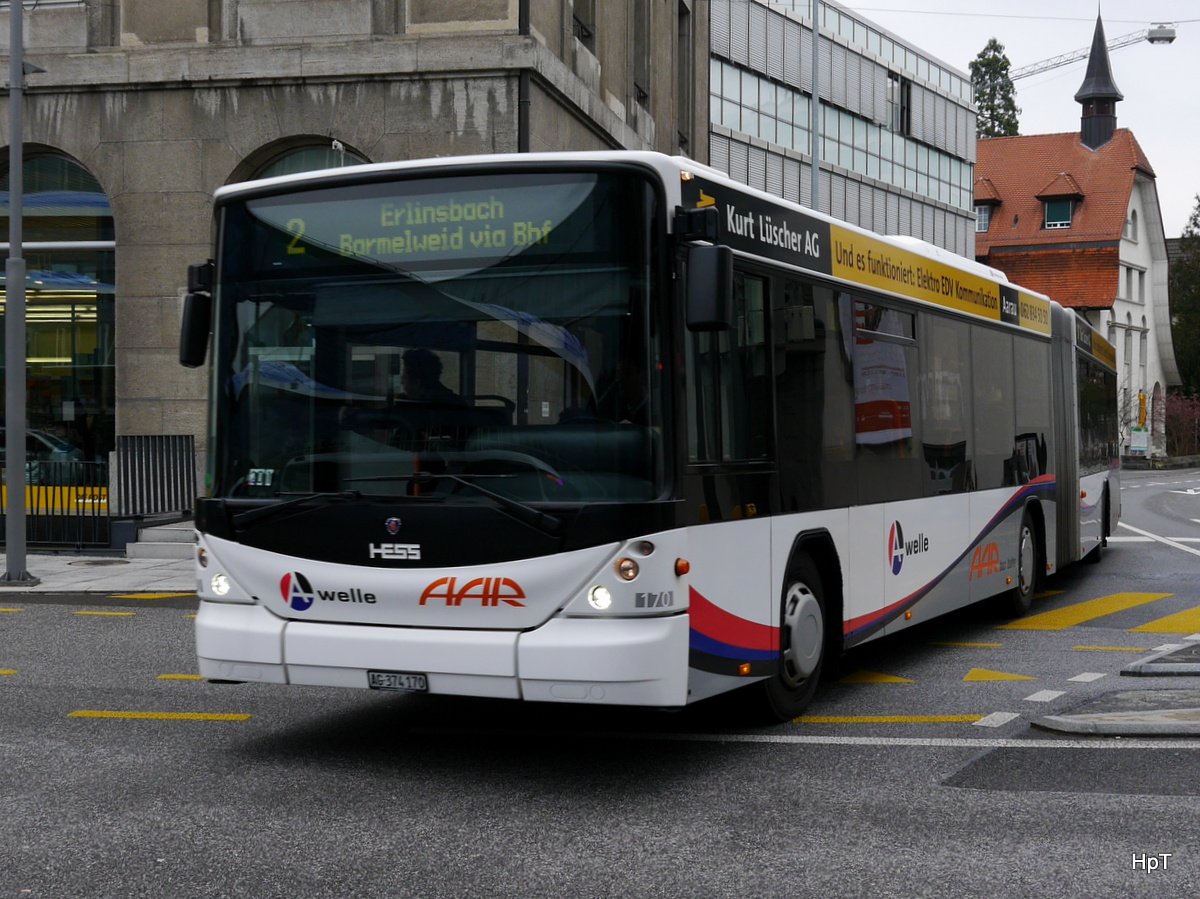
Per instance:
(489,592)
(297,591)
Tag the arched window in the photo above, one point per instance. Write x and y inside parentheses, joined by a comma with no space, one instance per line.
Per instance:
(69,251)
(1131,226)
(309,159)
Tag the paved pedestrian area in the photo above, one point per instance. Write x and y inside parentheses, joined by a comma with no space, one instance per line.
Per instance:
(61,573)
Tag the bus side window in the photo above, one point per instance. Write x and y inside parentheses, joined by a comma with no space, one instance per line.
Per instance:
(994,409)
(729,388)
(945,395)
(884,362)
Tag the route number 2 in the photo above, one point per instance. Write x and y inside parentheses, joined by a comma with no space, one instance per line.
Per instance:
(295,227)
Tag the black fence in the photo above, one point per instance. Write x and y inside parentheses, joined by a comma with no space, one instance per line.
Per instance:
(74,504)
(66,504)
(155,475)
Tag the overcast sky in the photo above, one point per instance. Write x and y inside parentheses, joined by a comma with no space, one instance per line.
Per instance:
(1161,83)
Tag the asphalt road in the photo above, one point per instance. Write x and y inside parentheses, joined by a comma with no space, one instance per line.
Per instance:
(123,776)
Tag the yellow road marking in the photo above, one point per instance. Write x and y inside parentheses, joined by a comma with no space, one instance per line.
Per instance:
(1185,622)
(12,610)
(180,677)
(982,674)
(888,719)
(1111,648)
(872,677)
(977,645)
(160,716)
(8,671)
(1060,619)
(110,614)
(149,595)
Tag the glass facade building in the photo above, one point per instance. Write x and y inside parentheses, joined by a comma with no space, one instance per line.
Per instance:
(897,128)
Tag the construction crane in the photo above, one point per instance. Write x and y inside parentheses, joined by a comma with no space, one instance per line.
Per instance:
(1158,33)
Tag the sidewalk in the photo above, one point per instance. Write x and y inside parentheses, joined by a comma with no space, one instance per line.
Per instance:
(103,574)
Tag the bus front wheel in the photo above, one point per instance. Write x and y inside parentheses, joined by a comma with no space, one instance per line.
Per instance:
(801,642)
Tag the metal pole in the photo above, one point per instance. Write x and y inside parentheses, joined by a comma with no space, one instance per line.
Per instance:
(815,115)
(14,314)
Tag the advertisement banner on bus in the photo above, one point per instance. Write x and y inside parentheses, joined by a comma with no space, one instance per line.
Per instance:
(757,226)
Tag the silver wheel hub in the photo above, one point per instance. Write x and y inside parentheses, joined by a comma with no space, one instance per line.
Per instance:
(803,633)
(1025,559)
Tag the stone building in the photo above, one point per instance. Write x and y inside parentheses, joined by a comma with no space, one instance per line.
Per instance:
(145,107)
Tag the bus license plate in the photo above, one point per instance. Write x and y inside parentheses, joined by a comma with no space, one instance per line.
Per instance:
(404,681)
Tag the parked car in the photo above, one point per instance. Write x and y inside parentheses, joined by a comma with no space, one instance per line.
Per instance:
(43,454)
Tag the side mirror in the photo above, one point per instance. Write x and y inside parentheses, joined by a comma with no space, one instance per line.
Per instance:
(709,289)
(196,324)
(194,330)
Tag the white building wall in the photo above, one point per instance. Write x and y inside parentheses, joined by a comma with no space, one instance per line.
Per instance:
(1139,324)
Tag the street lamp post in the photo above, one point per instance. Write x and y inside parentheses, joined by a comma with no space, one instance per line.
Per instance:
(814,119)
(14,315)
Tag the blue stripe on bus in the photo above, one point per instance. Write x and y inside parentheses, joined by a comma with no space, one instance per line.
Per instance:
(701,643)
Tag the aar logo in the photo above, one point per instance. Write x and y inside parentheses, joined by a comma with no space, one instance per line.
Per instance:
(297,591)
(488,591)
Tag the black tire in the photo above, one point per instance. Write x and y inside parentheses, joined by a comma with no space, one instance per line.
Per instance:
(1097,554)
(802,643)
(1018,601)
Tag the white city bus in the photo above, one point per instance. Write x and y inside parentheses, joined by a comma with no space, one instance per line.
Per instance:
(611,428)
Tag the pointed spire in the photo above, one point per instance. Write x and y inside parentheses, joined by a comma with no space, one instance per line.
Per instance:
(1098,82)
(1098,94)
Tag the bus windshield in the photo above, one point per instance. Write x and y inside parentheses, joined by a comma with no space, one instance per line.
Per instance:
(440,337)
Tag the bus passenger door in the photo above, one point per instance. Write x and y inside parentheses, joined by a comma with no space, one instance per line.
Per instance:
(729,465)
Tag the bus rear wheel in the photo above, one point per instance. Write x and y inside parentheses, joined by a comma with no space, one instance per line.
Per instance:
(801,642)
(1018,601)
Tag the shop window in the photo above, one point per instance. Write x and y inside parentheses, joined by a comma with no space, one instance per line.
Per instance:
(69,251)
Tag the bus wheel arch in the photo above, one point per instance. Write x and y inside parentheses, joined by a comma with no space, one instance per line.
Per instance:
(809,626)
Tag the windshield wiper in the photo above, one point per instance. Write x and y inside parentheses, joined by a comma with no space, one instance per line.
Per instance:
(243,520)
(551,525)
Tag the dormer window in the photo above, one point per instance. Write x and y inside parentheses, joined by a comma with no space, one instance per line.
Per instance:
(1058,213)
(983,219)
(1058,200)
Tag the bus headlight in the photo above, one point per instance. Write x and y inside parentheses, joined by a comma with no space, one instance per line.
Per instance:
(627,569)
(599,598)
(220,584)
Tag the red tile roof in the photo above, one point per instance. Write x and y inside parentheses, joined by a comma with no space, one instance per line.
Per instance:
(1078,266)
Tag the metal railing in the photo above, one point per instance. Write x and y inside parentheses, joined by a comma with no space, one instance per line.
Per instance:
(73,504)
(66,504)
(155,474)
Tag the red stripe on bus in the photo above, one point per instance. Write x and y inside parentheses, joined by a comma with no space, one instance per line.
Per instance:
(714,622)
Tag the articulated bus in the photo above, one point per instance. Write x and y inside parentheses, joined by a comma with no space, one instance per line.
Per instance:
(611,428)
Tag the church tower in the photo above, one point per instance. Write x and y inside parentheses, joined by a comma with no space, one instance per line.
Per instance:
(1098,94)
